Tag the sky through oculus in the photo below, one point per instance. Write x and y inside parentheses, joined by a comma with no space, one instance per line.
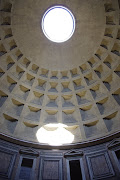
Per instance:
(58,24)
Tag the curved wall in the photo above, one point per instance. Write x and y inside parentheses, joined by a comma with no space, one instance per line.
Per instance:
(93,162)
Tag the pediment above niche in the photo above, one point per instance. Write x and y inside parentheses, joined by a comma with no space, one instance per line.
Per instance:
(114,143)
(29,152)
(73,153)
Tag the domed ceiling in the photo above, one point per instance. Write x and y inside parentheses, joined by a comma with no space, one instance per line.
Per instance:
(59,93)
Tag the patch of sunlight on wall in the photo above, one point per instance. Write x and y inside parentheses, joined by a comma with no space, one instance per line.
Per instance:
(54,134)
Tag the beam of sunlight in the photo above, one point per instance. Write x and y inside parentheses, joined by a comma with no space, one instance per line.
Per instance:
(58,24)
(54,134)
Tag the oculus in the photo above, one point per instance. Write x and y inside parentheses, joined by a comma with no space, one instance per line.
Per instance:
(58,24)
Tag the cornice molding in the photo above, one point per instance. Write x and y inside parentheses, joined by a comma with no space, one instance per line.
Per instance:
(29,151)
(73,153)
(62,147)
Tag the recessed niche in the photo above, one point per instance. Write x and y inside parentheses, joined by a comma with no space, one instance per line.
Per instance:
(100,52)
(98,91)
(2,50)
(3,97)
(66,87)
(6,7)
(111,121)
(109,7)
(110,81)
(92,62)
(78,84)
(6,21)
(68,116)
(41,84)
(98,71)
(118,34)
(8,33)
(29,130)
(18,54)
(1,72)
(104,43)
(21,91)
(109,32)
(64,74)
(74,72)
(9,123)
(67,101)
(109,61)
(53,87)
(15,107)
(87,112)
(25,62)
(17,72)
(36,98)
(105,105)
(44,73)
(110,20)
(29,79)
(90,78)
(12,45)
(116,96)
(34,68)
(52,101)
(32,113)
(116,49)
(83,97)
(54,75)
(9,83)
(51,116)
(84,68)
(91,129)
(101,71)
(9,62)
(117,70)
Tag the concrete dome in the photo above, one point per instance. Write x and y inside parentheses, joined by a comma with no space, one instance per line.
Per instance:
(46,85)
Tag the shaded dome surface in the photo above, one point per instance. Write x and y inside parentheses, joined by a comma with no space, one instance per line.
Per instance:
(75,83)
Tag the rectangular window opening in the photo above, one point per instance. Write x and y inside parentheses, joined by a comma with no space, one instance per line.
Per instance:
(26,167)
(75,170)
(118,155)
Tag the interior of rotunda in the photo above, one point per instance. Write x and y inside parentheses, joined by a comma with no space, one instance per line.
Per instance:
(59,89)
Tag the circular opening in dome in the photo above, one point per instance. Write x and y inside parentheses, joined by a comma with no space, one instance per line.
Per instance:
(58,24)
